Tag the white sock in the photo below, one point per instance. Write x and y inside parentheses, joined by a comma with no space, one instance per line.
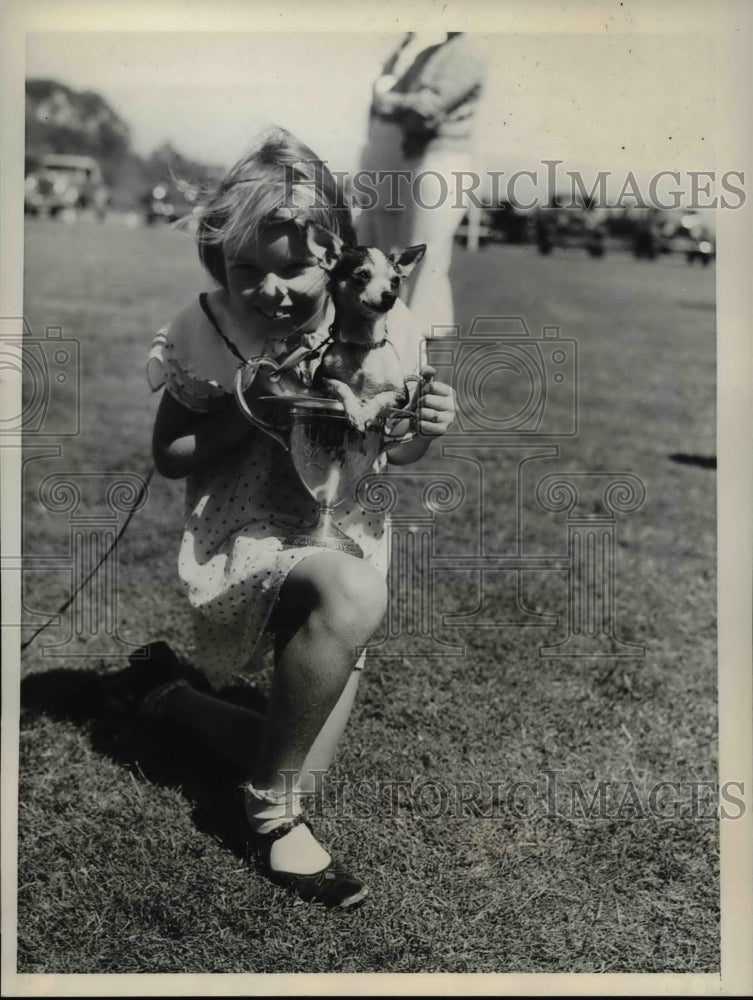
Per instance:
(297,851)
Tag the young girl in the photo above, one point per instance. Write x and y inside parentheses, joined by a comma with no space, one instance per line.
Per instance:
(318,607)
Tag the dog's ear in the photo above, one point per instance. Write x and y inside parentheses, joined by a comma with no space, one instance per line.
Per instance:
(406,260)
(326,246)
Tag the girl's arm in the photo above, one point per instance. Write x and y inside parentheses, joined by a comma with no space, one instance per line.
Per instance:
(184,440)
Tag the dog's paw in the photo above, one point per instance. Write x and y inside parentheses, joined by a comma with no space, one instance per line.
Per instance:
(357,422)
(355,416)
(372,415)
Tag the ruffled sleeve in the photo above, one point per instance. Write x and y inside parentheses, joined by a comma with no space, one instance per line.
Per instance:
(155,363)
(165,369)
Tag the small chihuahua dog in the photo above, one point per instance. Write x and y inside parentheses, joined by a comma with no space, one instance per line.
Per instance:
(361,368)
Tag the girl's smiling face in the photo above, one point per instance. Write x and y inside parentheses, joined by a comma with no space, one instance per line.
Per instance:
(274,280)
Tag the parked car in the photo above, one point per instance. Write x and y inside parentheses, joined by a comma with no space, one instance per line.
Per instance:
(66,183)
(560,226)
(169,201)
(703,248)
(696,239)
(654,231)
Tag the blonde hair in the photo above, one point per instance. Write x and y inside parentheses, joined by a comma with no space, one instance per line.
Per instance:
(280,178)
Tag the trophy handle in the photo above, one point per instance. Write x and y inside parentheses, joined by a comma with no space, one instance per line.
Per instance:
(391,435)
(255,364)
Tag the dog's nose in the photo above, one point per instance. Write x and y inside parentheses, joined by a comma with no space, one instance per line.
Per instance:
(388,299)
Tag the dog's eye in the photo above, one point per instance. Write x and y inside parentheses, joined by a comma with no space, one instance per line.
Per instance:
(395,281)
(362,277)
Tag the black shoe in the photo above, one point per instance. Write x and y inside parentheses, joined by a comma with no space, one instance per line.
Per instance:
(332,886)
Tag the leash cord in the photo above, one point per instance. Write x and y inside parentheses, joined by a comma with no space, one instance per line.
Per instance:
(106,556)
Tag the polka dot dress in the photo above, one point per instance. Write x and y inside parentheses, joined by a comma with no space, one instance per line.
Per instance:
(233,556)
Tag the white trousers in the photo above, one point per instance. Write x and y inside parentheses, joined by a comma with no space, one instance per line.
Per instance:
(434,206)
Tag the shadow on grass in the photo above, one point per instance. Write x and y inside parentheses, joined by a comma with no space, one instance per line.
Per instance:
(167,757)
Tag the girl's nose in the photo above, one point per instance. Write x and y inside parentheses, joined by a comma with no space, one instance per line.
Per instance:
(275,289)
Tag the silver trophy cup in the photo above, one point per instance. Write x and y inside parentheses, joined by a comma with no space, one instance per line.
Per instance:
(329,455)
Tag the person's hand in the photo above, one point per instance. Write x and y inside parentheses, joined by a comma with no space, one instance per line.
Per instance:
(388,102)
(421,107)
(424,103)
(382,84)
(436,404)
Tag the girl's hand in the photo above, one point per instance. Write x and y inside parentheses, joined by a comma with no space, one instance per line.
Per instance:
(436,405)
(436,412)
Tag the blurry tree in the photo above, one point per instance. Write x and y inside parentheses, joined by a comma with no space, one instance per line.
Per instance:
(62,120)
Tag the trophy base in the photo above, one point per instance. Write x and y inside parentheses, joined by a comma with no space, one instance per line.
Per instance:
(326,535)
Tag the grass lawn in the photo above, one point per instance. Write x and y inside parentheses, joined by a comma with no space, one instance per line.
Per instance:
(132,853)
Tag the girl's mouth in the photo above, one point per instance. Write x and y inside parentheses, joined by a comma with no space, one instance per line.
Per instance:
(273,317)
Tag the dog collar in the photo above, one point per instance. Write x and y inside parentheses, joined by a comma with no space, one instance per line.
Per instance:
(371,345)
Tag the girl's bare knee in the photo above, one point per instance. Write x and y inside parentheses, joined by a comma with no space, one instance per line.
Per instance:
(358,596)
(348,592)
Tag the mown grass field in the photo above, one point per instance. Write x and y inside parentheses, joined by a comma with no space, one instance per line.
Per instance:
(132,853)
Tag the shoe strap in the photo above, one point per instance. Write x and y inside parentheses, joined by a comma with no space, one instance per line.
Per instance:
(284,828)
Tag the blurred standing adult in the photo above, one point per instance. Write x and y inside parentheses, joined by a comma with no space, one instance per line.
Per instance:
(422,119)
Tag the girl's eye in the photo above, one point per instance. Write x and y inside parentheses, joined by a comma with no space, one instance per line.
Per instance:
(295,268)
(291,269)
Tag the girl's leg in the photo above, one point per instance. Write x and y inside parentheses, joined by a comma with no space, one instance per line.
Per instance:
(233,733)
(230,732)
(320,756)
(329,608)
